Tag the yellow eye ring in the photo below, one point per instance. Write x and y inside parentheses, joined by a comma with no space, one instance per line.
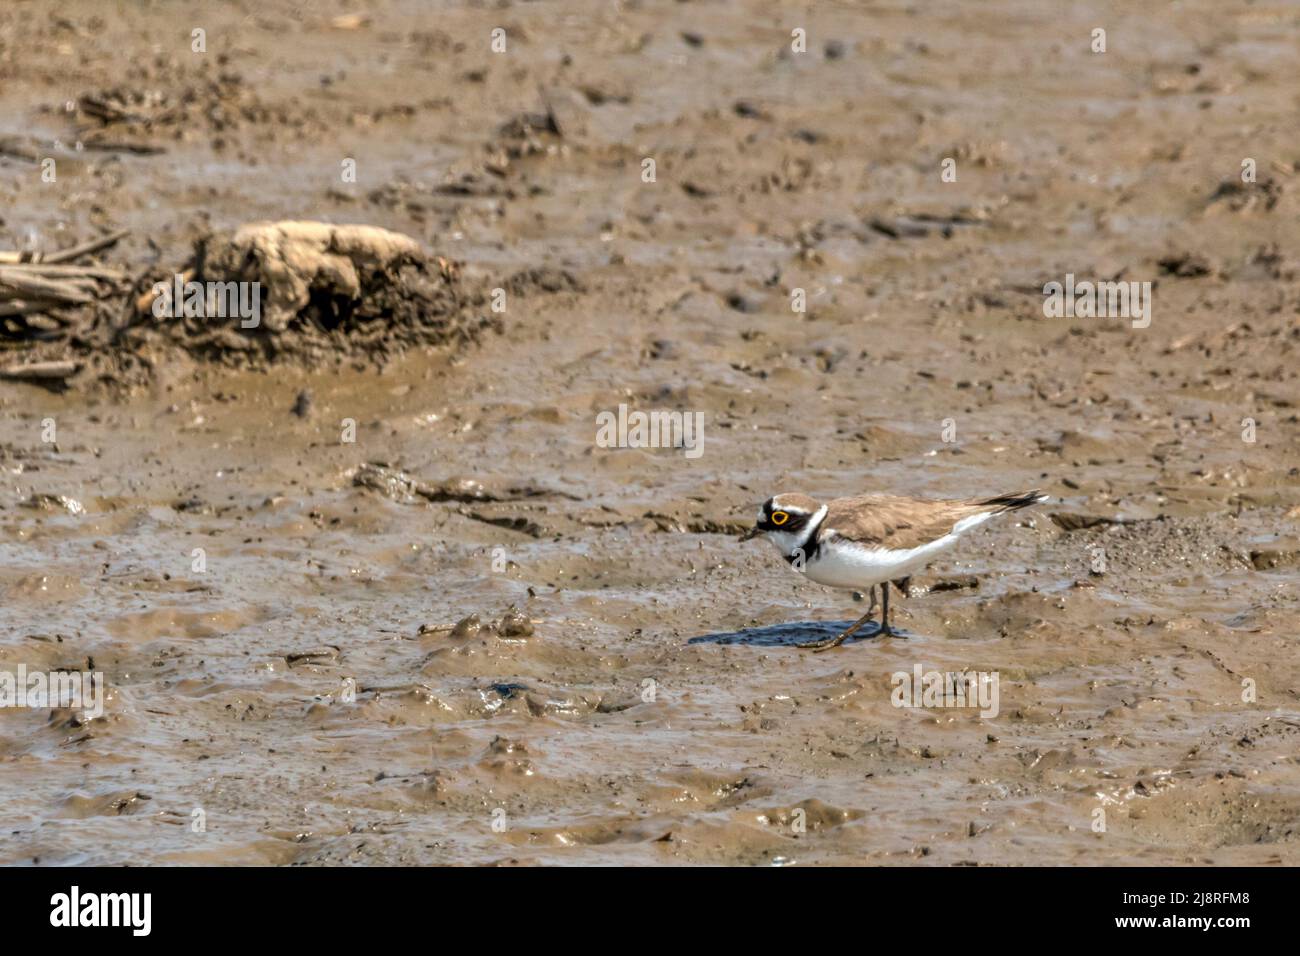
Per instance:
(780,517)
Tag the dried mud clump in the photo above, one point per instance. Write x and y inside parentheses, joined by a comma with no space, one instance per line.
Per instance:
(324,293)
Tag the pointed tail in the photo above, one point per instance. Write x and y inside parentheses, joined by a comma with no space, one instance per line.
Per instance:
(1013,502)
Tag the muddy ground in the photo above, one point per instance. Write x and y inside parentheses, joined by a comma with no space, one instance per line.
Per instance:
(304,696)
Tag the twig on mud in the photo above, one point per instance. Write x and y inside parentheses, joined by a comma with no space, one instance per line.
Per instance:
(139,148)
(17,282)
(65,271)
(85,248)
(44,371)
(63,255)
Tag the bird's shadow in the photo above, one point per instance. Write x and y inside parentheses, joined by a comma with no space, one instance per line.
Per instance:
(787,635)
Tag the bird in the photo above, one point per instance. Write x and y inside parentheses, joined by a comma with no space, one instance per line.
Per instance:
(870,540)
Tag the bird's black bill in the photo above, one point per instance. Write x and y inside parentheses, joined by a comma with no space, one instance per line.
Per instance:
(751,533)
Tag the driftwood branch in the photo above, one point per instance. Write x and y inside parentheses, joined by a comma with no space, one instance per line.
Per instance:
(86,248)
(42,294)
(17,282)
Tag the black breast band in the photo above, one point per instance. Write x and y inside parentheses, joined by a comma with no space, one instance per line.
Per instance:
(809,547)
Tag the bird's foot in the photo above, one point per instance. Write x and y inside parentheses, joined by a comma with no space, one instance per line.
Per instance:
(823,645)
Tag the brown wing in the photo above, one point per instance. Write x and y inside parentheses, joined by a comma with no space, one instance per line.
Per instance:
(896,523)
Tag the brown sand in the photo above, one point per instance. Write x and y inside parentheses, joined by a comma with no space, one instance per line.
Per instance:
(228,691)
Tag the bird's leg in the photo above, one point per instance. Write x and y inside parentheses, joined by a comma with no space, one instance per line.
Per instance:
(884,612)
(839,639)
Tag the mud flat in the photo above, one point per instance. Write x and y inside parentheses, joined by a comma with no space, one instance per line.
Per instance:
(458,631)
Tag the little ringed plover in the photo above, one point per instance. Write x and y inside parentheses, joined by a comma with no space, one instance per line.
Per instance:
(868,540)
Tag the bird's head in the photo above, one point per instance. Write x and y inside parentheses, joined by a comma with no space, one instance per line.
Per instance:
(783,520)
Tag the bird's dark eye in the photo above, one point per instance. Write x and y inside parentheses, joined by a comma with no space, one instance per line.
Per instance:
(780,517)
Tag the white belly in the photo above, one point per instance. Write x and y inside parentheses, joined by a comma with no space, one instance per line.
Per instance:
(840,564)
(849,566)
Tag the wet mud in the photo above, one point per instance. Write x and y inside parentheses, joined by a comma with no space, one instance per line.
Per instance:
(401,608)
